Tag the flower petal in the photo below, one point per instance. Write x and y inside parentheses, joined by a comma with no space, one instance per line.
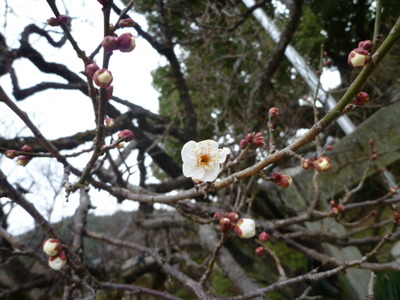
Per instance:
(223,153)
(212,173)
(209,144)
(194,171)
(188,153)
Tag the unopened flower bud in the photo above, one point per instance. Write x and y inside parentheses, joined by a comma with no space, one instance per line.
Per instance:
(91,69)
(374,212)
(109,43)
(218,215)
(243,143)
(26,148)
(263,237)
(332,203)
(358,58)
(11,153)
(335,210)
(323,164)
(306,163)
(260,251)
(233,216)
(341,207)
(285,181)
(109,122)
(64,19)
(23,160)
(128,22)
(326,63)
(53,22)
(224,224)
(371,142)
(245,228)
(127,134)
(102,78)
(273,112)
(58,261)
(374,156)
(361,99)
(366,45)
(52,247)
(126,42)
(258,140)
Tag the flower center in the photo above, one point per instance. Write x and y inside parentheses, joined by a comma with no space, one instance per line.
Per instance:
(204,160)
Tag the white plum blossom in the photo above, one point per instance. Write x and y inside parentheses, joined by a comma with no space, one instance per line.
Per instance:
(52,247)
(201,161)
(58,261)
(245,228)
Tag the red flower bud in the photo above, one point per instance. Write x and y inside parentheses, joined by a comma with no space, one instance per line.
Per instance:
(127,134)
(258,140)
(233,216)
(102,78)
(285,181)
(224,224)
(374,156)
(306,163)
(23,160)
(109,92)
(91,69)
(341,207)
(358,58)
(109,43)
(362,98)
(273,112)
(332,203)
(323,164)
(371,142)
(243,143)
(26,148)
(260,251)
(126,42)
(366,45)
(64,19)
(11,153)
(218,215)
(263,237)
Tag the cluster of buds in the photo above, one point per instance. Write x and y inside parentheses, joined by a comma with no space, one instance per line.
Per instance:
(253,139)
(22,160)
(374,155)
(126,42)
(336,208)
(360,56)
(263,237)
(57,257)
(61,19)
(282,180)
(361,99)
(244,227)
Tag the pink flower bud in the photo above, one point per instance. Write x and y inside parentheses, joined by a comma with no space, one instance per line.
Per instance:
(127,134)
(64,19)
(233,216)
(306,163)
(52,247)
(258,140)
(335,210)
(218,215)
(362,98)
(26,148)
(263,237)
(53,22)
(109,43)
(371,142)
(11,153)
(341,207)
(224,224)
(332,203)
(126,42)
(285,181)
(57,262)
(23,160)
(358,58)
(260,251)
(245,228)
(374,156)
(323,164)
(243,143)
(102,78)
(128,22)
(109,122)
(91,69)
(366,45)
(273,112)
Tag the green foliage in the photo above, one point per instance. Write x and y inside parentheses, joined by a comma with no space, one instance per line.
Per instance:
(387,286)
